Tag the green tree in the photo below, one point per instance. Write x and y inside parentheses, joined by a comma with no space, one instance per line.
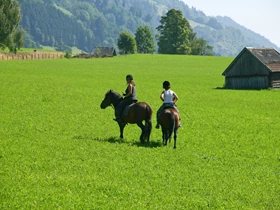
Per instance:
(17,40)
(144,40)
(174,33)
(201,47)
(11,35)
(127,43)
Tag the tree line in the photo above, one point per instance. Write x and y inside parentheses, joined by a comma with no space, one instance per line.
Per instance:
(175,35)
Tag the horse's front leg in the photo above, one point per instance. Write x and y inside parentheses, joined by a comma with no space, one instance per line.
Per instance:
(121,125)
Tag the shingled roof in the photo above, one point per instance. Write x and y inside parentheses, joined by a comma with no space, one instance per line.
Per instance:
(268,56)
(102,51)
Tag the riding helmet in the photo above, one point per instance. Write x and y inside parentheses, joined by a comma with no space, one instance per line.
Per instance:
(166,84)
(129,76)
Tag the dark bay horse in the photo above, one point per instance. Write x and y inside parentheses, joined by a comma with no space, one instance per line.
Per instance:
(169,122)
(137,113)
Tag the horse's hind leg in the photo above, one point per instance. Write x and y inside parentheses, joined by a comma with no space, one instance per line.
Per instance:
(175,137)
(163,138)
(148,129)
(140,124)
(169,136)
(163,135)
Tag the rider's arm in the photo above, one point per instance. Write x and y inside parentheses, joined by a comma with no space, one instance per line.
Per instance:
(162,96)
(175,97)
(129,90)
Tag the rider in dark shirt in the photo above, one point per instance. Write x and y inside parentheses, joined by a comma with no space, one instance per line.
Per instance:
(129,96)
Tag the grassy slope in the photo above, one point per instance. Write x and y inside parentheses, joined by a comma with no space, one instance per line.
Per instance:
(58,149)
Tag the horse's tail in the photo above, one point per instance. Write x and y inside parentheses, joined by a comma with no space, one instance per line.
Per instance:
(148,121)
(172,124)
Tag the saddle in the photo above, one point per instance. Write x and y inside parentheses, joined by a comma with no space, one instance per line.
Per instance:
(126,109)
(168,106)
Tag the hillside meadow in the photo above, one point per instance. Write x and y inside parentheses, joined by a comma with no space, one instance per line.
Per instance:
(59,150)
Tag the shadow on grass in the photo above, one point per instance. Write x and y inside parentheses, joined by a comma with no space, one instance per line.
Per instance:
(240,89)
(113,140)
(150,144)
(220,88)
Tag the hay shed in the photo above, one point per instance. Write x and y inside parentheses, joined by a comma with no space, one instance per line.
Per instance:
(254,68)
(104,51)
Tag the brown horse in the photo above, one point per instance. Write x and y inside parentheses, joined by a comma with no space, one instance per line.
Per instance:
(137,113)
(169,122)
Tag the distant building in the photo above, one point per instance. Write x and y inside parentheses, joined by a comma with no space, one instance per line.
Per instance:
(254,68)
(104,52)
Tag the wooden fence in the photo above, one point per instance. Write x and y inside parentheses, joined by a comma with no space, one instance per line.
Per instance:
(31,56)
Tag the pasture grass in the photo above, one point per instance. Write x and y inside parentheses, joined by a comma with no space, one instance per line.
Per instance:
(43,49)
(59,150)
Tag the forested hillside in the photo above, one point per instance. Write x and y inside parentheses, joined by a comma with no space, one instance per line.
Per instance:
(86,24)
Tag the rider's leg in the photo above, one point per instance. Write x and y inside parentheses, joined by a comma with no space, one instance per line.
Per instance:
(175,107)
(120,109)
(158,114)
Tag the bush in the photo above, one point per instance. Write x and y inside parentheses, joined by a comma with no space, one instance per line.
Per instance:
(67,55)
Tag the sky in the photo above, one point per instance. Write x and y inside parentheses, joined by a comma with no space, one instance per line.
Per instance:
(260,16)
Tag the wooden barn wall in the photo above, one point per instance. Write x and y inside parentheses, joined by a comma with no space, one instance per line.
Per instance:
(275,79)
(246,65)
(253,82)
(275,76)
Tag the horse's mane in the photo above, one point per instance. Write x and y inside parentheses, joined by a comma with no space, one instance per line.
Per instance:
(116,97)
(115,94)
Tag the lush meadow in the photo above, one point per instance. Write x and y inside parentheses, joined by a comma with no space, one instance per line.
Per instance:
(59,150)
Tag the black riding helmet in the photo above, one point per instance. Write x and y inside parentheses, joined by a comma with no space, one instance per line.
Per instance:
(166,85)
(129,76)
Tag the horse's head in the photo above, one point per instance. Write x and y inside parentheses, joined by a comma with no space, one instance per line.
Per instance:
(107,101)
(111,97)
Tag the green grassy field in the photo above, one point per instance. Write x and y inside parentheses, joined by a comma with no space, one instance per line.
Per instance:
(59,150)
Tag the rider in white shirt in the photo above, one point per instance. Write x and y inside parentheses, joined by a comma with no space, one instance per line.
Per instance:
(169,98)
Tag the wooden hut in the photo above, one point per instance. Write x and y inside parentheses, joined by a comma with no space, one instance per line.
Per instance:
(105,52)
(254,68)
